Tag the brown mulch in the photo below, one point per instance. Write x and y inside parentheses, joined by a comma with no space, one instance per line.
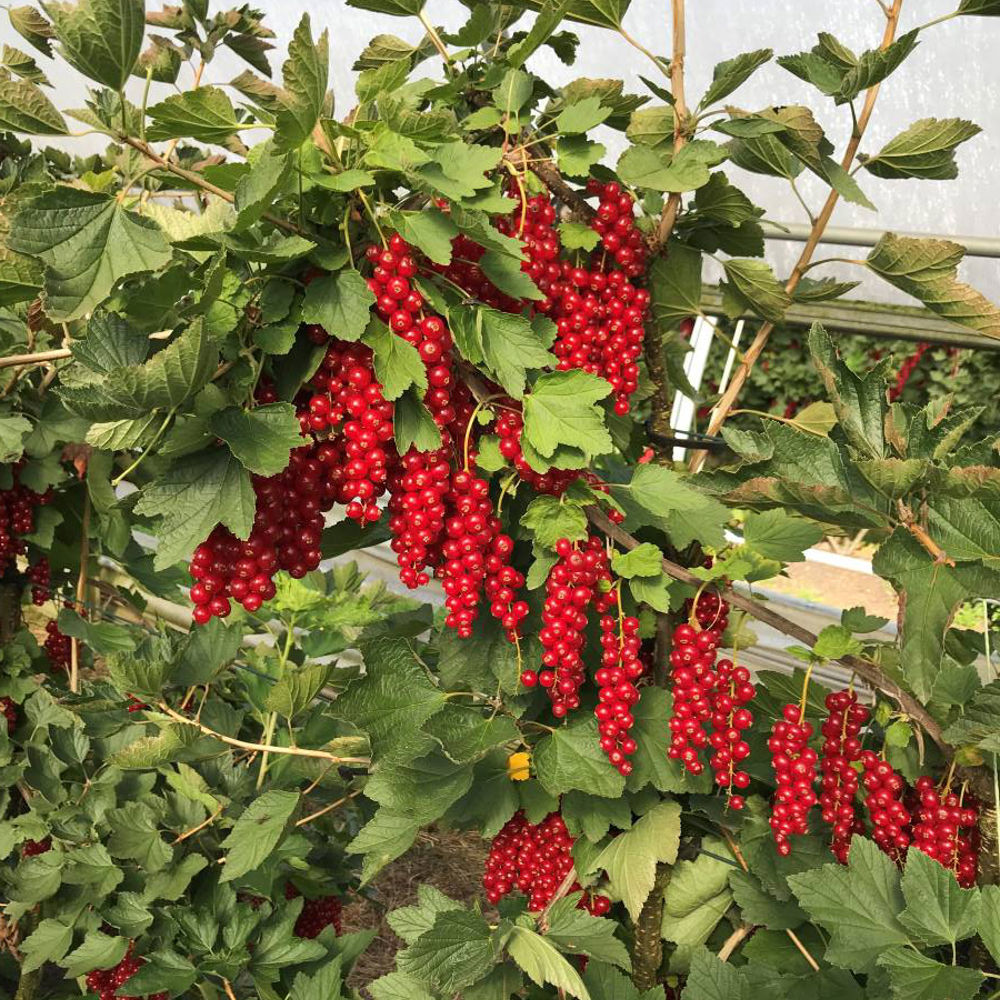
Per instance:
(448,860)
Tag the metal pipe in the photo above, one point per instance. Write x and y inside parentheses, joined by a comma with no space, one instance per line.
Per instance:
(849,236)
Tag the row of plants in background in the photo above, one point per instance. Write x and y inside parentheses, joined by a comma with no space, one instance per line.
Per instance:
(444,321)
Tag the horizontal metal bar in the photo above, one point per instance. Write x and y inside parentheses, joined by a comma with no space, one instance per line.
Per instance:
(882,322)
(849,236)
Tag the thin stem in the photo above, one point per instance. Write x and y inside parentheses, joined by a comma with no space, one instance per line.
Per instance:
(938,20)
(201,826)
(326,809)
(259,747)
(272,719)
(434,37)
(81,592)
(721,411)
(148,449)
(734,941)
(802,201)
(670,210)
(661,64)
(38,358)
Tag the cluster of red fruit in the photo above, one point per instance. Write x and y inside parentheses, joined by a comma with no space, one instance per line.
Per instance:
(794,764)
(706,693)
(317,914)
(57,646)
(946,828)
(906,369)
(40,578)
(840,752)
(106,982)
(17,516)
(885,791)
(286,535)
(616,678)
(8,710)
(534,859)
(32,848)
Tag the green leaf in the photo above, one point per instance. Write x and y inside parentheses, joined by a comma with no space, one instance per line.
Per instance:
(305,73)
(562,409)
(775,534)
(934,592)
(675,285)
(660,170)
(916,977)
(875,65)
(205,114)
(392,700)
(20,277)
(48,942)
(398,986)
(859,905)
(454,953)
(538,957)
(764,154)
(409,922)
(938,910)
(24,108)
(102,637)
(297,689)
(754,283)
(630,859)
(822,290)
(397,362)
(259,186)
(550,520)
(644,560)
(385,837)
(978,725)
(505,272)
(709,978)
(571,758)
(549,18)
(578,236)
(100,38)
(324,984)
(88,242)
(732,73)
(989,927)
(192,497)
(605,982)
(758,906)
(135,836)
(430,230)
(110,343)
(261,438)
(13,431)
(344,182)
(257,832)
(858,400)
(651,126)
(815,68)
(927,270)
(424,788)
(397,8)
(980,8)
(926,150)
(659,497)
(581,117)
(29,23)
(459,169)
(340,303)
(98,951)
(414,425)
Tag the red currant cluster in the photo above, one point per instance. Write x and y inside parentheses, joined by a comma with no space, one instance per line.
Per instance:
(32,848)
(839,785)
(40,578)
(946,828)
(599,327)
(106,982)
(509,426)
(906,369)
(418,488)
(730,718)
(9,711)
(57,646)
(794,763)
(884,795)
(286,535)
(534,859)
(573,585)
(347,396)
(617,692)
(692,662)
(476,558)
(533,223)
(615,222)
(317,914)
(17,516)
